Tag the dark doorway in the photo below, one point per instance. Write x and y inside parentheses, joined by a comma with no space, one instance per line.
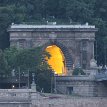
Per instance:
(69,90)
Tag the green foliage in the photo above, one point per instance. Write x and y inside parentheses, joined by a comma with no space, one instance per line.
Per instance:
(78,71)
(3,64)
(33,58)
(10,56)
(80,10)
(27,59)
(62,11)
(44,80)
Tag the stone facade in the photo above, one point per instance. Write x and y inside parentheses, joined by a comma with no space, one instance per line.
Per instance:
(29,98)
(81,86)
(75,41)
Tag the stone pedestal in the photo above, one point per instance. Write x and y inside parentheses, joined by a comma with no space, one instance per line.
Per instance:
(33,86)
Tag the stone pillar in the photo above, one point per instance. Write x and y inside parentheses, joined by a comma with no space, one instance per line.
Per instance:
(34,99)
(91,48)
(35,96)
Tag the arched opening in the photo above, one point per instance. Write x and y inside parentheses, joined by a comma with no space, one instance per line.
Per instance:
(57,60)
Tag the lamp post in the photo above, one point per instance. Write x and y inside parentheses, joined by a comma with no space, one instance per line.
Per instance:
(28,78)
(105,53)
(33,85)
(51,84)
(33,78)
(52,81)
(55,83)
(19,76)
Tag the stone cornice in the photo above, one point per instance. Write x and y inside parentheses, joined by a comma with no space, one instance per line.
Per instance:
(50,28)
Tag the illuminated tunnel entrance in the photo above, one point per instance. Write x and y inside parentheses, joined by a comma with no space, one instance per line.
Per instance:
(57,60)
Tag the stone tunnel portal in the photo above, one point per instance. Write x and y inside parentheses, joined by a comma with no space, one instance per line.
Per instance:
(73,43)
(56,60)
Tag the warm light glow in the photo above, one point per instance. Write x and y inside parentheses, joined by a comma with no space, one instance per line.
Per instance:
(13,86)
(57,60)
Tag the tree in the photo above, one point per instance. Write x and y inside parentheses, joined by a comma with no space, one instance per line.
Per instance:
(3,64)
(10,56)
(80,10)
(43,80)
(33,60)
(78,71)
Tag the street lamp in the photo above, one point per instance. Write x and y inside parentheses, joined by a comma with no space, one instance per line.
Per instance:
(52,82)
(13,86)
(33,78)
(28,78)
(55,82)
(33,85)
(19,76)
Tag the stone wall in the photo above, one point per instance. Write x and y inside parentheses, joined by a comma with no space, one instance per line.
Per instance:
(81,86)
(76,85)
(30,98)
(15,97)
(75,102)
(14,104)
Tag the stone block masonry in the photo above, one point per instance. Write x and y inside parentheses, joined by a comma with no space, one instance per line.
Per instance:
(29,98)
(76,102)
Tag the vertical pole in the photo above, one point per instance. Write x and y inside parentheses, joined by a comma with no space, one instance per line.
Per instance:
(19,76)
(105,56)
(105,53)
(33,85)
(51,83)
(55,82)
(33,78)
(28,78)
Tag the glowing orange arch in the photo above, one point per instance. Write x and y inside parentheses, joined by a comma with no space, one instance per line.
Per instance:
(57,60)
